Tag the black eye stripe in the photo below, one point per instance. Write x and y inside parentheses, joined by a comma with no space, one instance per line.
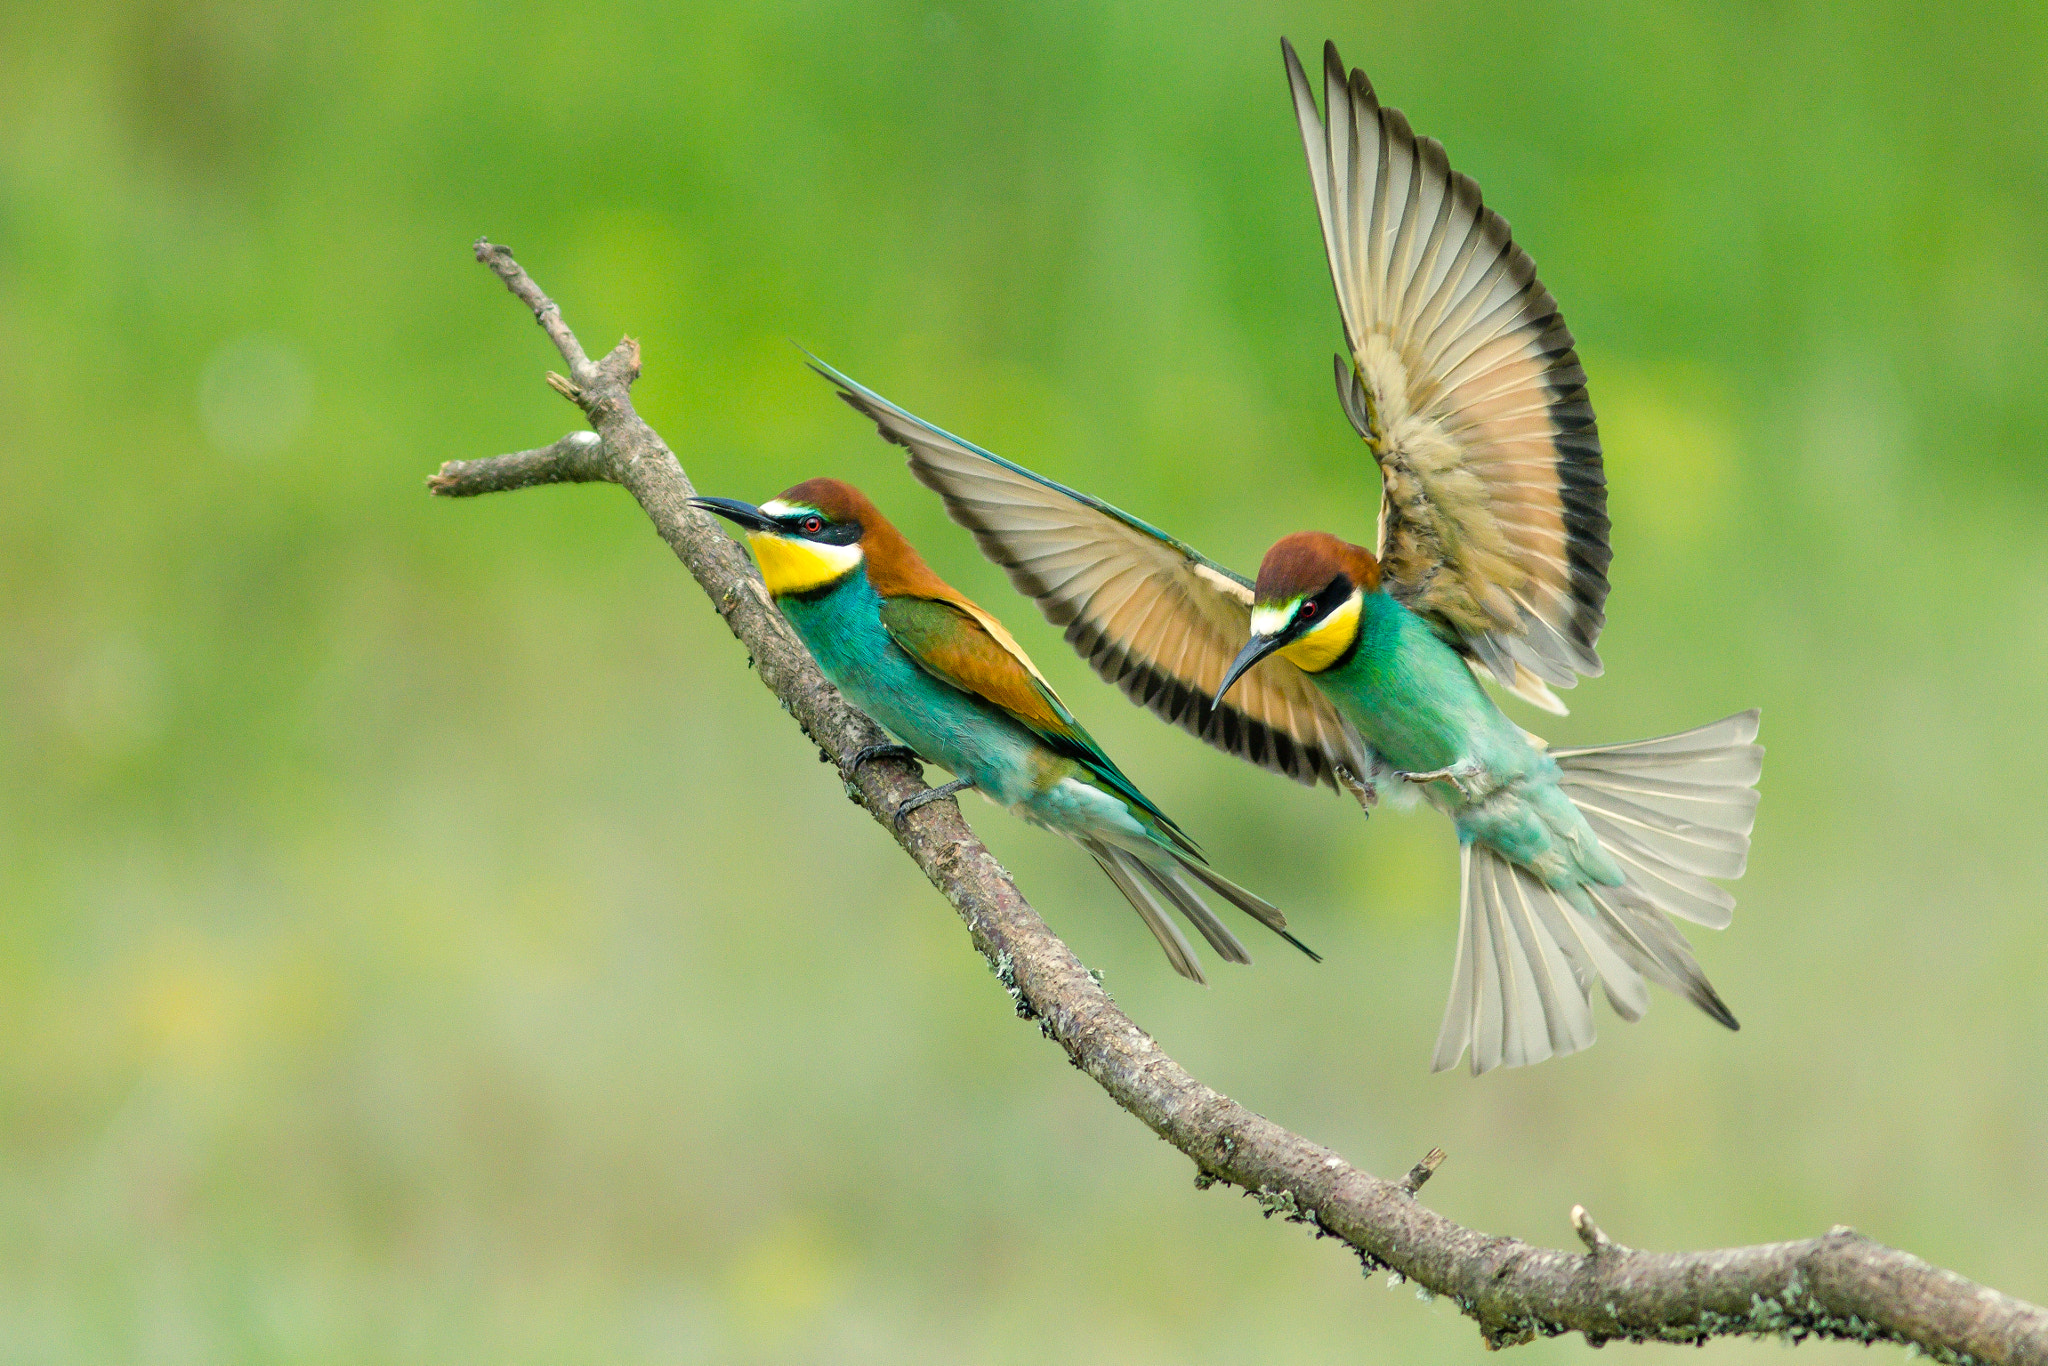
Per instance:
(1319,607)
(800,524)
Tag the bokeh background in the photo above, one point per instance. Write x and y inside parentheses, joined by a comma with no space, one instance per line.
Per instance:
(423,940)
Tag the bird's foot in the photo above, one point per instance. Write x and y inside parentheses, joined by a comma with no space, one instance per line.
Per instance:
(1367,795)
(1457,774)
(927,797)
(882,751)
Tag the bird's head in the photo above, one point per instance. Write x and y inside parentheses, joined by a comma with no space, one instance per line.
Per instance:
(806,539)
(1306,603)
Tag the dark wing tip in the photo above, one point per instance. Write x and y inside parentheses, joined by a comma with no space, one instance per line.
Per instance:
(1297,76)
(1313,956)
(1718,1009)
(1351,79)
(1175,701)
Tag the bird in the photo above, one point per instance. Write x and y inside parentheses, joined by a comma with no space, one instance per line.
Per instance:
(945,678)
(1361,669)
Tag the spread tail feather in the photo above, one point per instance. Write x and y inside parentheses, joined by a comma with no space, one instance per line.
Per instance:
(1526,963)
(1672,812)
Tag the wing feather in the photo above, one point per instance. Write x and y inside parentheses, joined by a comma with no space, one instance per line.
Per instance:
(964,647)
(1462,377)
(1148,612)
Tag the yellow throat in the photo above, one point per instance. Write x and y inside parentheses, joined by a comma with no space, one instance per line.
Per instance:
(790,565)
(1318,648)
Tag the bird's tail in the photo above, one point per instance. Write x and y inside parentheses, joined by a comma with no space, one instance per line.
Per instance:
(1151,886)
(1672,813)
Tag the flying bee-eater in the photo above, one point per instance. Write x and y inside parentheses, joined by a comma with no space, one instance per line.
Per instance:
(944,677)
(1361,669)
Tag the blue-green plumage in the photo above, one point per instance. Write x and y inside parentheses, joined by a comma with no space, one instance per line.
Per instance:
(945,679)
(961,731)
(1543,835)
(1418,703)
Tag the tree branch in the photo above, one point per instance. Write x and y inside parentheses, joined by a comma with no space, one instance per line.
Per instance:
(1839,1285)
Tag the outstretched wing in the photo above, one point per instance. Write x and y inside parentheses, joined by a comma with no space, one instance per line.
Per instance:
(1150,614)
(1463,380)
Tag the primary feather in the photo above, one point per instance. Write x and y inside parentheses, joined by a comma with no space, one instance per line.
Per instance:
(1462,378)
(1150,613)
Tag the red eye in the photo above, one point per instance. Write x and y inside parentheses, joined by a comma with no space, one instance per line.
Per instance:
(1308,609)
(813,525)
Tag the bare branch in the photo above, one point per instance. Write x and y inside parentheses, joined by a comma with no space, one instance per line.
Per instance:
(499,259)
(578,458)
(1840,1285)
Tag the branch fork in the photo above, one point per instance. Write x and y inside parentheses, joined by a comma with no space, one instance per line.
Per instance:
(1841,1285)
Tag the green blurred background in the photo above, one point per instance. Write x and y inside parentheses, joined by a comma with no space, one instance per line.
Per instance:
(424,941)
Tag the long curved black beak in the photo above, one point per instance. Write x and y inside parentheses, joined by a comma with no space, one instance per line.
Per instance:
(733,510)
(1255,649)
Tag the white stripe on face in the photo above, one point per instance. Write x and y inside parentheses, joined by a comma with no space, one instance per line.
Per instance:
(1271,621)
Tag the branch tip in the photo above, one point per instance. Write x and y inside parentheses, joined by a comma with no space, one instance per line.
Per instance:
(1597,1243)
(578,458)
(1423,1170)
(545,311)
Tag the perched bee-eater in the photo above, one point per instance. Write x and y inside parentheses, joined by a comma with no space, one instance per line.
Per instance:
(944,677)
(1362,670)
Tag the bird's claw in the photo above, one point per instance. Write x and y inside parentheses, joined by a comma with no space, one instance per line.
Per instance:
(1457,775)
(1366,794)
(926,798)
(882,751)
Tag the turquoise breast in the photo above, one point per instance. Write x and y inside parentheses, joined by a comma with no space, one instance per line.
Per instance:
(842,628)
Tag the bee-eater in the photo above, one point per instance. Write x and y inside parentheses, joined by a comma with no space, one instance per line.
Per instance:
(1362,670)
(944,677)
